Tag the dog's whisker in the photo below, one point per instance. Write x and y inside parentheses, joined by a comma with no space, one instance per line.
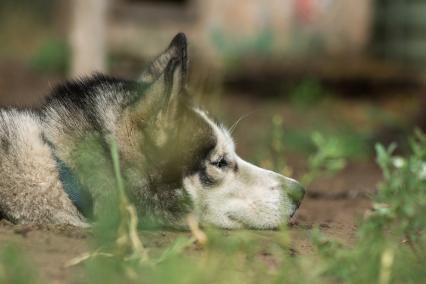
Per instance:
(234,126)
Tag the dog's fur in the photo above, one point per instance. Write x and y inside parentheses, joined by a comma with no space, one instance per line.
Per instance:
(176,160)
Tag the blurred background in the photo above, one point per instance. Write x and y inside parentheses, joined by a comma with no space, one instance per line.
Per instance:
(313,84)
(352,71)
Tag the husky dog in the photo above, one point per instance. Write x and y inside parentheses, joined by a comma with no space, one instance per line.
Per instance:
(176,160)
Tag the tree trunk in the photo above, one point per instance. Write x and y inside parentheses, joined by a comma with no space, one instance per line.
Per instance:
(88,36)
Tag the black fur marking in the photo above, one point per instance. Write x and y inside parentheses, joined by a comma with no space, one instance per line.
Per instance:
(5,144)
(80,95)
(79,90)
(181,43)
(168,77)
(8,134)
(236,168)
(203,143)
(205,179)
(190,142)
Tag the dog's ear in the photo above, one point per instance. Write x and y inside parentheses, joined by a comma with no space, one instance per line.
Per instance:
(164,81)
(174,56)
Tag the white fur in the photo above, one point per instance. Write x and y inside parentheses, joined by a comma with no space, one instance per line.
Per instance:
(249,197)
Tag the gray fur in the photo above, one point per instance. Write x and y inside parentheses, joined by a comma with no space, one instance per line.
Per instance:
(175,160)
(30,190)
(111,109)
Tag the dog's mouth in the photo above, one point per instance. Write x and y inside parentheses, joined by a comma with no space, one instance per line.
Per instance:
(239,224)
(296,207)
(236,223)
(294,211)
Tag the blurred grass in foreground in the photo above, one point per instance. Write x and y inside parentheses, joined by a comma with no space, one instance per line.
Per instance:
(391,245)
(15,267)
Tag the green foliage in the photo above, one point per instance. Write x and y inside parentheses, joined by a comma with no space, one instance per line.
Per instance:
(15,268)
(277,146)
(22,25)
(53,56)
(390,248)
(307,93)
(260,43)
(240,257)
(328,158)
(404,178)
(351,144)
(391,241)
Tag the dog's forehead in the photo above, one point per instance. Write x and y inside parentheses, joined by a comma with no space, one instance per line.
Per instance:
(224,141)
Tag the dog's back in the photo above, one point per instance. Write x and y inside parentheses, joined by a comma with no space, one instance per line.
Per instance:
(37,177)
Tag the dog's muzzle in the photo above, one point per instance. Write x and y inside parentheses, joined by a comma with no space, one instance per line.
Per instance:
(294,190)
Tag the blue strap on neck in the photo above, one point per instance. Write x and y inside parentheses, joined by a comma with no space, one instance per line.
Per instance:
(77,192)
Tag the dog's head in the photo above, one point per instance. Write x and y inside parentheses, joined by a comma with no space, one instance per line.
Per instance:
(188,154)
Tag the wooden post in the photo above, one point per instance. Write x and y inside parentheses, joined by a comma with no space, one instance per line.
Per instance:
(88,36)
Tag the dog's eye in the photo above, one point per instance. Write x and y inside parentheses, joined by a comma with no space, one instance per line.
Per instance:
(221,163)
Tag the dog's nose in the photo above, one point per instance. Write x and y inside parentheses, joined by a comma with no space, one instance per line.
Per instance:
(295,191)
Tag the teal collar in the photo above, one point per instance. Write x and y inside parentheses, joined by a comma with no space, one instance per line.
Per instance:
(76,191)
